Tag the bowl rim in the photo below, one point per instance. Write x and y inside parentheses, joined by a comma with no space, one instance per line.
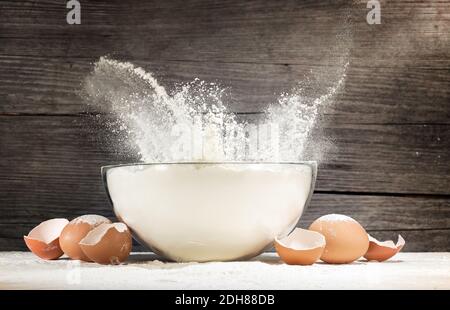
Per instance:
(311,163)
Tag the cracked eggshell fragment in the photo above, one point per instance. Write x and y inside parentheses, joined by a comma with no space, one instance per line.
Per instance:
(76,230)
(43,240)
(301,247)
(108,243)
(381,251)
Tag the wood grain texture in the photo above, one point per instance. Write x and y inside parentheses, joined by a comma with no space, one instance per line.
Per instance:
(436,240)
(50,168)
(374,212)
(424,222)
(370,95)
(232,31)
(390,167)
(366,158)
(410,159)
(379,213)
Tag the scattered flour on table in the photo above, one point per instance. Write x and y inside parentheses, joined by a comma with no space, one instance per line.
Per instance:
(406,270)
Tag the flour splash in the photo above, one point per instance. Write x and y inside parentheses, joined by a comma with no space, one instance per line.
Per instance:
(192,123)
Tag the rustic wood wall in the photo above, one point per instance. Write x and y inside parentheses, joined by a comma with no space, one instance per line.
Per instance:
(391,125)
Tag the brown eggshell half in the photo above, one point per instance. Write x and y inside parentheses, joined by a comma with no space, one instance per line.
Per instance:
(108,244)
(43,240)
(76,230)
(301,247)
(381,251)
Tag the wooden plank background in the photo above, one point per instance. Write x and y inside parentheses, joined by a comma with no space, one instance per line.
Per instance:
(389,169)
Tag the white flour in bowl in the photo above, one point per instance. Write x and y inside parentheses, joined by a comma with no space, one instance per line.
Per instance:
(207,212)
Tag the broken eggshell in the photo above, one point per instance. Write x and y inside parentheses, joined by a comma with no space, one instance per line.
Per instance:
(301,247)
(381,251)
(76,230)
(43,240)
(107,243)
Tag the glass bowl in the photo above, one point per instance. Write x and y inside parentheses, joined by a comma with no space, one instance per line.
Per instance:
(201,211)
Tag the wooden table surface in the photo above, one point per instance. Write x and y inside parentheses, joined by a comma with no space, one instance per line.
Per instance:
(22,270)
